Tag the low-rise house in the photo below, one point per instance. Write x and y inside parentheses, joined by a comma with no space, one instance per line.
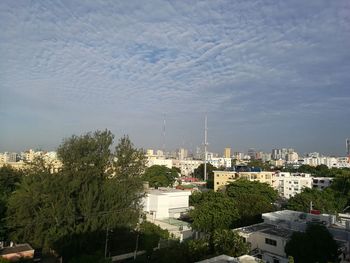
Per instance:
(269,238)
(17,252)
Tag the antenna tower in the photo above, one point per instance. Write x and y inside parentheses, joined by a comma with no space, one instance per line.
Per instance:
(205,149)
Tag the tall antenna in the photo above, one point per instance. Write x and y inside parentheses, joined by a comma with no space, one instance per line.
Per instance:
(163,144)
(205,148)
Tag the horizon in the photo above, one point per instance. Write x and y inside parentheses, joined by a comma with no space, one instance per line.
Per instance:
(268,75)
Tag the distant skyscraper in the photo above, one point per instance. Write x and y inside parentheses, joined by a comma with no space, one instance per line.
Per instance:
(348,147)
(227,152)
(252,153)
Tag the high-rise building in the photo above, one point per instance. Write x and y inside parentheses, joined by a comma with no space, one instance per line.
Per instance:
(227,152)
(348,147)
(182,154)
(276,154)
(252,153)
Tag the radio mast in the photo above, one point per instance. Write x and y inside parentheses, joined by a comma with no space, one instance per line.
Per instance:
(205,148)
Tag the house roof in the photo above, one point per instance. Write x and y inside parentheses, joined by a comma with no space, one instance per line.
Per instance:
(15,249)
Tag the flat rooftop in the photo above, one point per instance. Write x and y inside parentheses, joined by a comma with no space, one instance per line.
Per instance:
(15,249)
(267,229)
(164,190)
(174,222)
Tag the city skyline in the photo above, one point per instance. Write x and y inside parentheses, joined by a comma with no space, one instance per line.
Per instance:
(268,75)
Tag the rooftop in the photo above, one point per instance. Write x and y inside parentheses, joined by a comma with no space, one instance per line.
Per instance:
(15,249)
(163,190)
(267,229)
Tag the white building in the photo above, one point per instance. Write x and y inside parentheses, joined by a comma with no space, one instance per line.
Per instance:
(269,238)
(166,202)
(288,184)
(186,167)
(321,182)
(159,161)
(163,206)
(218,161)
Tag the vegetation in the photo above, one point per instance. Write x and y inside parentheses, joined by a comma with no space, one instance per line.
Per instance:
(251,200)
(229,243)
(9,179)
(95,190)
(199,171)
(315,245)
(214,211)
(327,201)
(160,176)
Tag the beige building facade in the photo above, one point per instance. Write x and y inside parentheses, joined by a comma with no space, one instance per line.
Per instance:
(222,178)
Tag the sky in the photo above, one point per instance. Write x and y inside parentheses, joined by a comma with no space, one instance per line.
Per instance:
(268,74)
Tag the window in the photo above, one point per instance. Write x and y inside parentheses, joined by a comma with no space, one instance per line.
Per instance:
(322,181)
(271,242)
(275,260)
(217,182)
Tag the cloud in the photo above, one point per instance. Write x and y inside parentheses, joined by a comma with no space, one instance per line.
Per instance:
(244,62)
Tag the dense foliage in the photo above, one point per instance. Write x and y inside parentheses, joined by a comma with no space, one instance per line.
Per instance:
(327,201)
(9,179)
(160,176)
(251,199)
(316,244)
(96,189)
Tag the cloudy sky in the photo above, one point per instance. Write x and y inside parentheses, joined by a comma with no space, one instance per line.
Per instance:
(267,73)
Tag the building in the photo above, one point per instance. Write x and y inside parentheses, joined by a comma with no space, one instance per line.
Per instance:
(164,207)
(186,167)
(17,252)
(269,238)
(321,182)
(252,153)
(288,184)
(228,259)
(182,154)
(276,154)
(166,202)
(227,152)
(222,178)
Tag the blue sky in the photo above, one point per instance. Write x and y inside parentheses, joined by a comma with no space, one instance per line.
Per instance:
(268,73)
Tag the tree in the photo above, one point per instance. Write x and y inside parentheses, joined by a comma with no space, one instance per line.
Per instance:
(259,164)
(251,199)
(212,212)
(9,179)
(160,175)
(229,243)
(327,201)
(95,190)
(199,171)
(151,234)
(315,245)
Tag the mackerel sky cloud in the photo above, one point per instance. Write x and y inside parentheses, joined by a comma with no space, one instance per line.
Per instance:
(267,73)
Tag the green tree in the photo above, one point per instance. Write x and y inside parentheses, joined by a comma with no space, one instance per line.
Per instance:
(259,164)
(95,190)
(199,171)
(151,234)
(9,179)
(214,211)
(229,243)
(160,176)
(251,199)
(327,201)
(315,245)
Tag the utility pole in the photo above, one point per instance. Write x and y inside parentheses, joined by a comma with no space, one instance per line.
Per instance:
(205,148)
(106,242)
(163,144)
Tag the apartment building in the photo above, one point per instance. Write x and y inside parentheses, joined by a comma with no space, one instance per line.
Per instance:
(268,239)
(186,167)
(288,184)
(222,178)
